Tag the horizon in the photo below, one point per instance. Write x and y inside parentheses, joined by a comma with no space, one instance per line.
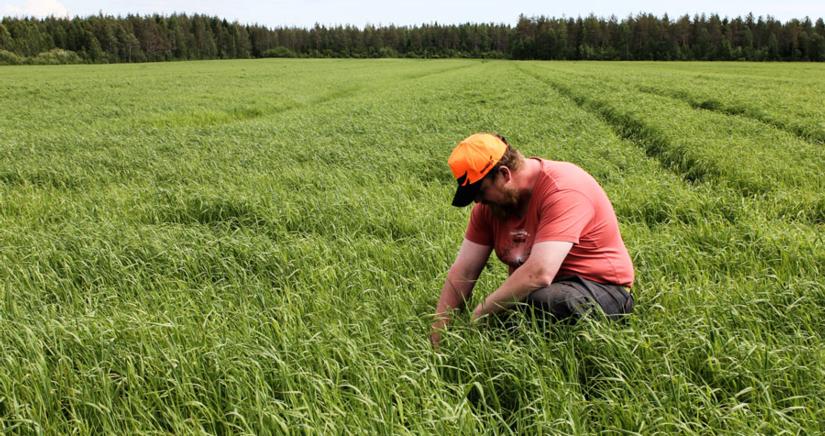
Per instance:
(671,17)
(363,13)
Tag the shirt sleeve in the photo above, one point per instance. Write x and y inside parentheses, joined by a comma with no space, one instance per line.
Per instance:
(564,216)
(480,229)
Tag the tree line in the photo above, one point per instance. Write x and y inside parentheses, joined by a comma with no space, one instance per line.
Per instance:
(104,39)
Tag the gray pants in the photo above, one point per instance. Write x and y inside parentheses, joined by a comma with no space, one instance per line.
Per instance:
(570,298)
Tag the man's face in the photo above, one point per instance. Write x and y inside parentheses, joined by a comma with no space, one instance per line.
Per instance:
(499,195)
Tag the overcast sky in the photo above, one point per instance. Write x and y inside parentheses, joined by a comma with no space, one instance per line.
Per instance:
(406,12)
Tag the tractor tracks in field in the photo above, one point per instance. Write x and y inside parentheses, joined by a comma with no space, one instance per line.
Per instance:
(217,117)
(633,130)
(424,74)
(207,117)
(671,157)
(709,104)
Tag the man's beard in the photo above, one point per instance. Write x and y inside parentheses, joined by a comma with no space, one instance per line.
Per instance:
(509,207)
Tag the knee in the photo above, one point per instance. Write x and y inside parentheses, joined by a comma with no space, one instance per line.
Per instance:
(559,300)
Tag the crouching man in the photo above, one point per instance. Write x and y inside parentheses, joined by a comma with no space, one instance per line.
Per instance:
(549,221)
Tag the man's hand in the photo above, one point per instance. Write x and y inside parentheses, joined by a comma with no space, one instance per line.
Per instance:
(435,339)
(478,312)
(537,272)
(437,328)
(458,285)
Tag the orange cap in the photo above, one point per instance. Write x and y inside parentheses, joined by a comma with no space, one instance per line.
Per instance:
(470,161)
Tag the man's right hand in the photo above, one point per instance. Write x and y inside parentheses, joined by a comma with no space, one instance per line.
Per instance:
(435,340)
(458,285)
(436,329)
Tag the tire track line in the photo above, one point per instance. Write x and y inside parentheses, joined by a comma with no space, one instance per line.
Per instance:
(713,105)
(671,157)
(630,129)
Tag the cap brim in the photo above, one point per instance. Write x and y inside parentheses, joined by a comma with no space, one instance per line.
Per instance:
(465,195)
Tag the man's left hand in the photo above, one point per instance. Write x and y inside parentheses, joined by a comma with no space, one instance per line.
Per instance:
(478,312)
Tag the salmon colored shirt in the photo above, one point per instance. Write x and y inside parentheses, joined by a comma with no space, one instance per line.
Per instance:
(568,205)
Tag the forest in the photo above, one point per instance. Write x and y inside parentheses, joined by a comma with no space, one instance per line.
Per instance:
(134,38)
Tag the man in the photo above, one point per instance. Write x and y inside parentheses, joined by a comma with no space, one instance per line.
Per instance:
(549,221)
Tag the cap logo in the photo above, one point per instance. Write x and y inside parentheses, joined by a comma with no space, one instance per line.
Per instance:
(490,162)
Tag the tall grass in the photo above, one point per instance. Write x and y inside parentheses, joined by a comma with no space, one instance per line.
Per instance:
(257,246)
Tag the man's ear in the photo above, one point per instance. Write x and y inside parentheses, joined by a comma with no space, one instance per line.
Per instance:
(506,173)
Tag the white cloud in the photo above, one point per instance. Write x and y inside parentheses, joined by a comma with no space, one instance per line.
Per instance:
(36,8)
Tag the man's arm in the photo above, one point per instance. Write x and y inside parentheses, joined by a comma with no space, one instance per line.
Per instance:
(537,272)
(458,287)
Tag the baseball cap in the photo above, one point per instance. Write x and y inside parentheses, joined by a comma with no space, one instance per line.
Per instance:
(471,160)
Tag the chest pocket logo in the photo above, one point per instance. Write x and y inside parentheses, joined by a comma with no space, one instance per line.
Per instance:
(519,236)
(518,252)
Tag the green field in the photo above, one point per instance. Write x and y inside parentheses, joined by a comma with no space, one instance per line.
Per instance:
(258,246)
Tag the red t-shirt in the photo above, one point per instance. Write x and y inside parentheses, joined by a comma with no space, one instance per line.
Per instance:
(567,204)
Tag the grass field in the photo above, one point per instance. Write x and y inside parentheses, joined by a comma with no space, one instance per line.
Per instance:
(258,246)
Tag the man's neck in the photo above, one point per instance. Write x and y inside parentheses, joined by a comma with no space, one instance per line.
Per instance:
(525,179)
(526,176)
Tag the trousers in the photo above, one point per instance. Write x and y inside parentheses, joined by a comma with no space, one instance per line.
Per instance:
(570,298)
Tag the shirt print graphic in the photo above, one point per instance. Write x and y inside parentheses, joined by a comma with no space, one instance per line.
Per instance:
(517,251)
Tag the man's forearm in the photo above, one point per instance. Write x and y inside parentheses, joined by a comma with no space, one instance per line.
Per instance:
(515,288)
(454,294)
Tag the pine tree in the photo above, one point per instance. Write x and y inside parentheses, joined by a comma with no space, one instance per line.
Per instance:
(5,39)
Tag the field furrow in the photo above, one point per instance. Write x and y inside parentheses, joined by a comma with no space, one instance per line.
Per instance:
(789,100)
(806,133)
(780,172)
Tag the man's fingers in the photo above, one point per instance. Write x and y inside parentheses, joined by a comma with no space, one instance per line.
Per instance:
(435,340)
(478,313)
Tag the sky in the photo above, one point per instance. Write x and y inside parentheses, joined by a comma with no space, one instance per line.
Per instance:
(305,13)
